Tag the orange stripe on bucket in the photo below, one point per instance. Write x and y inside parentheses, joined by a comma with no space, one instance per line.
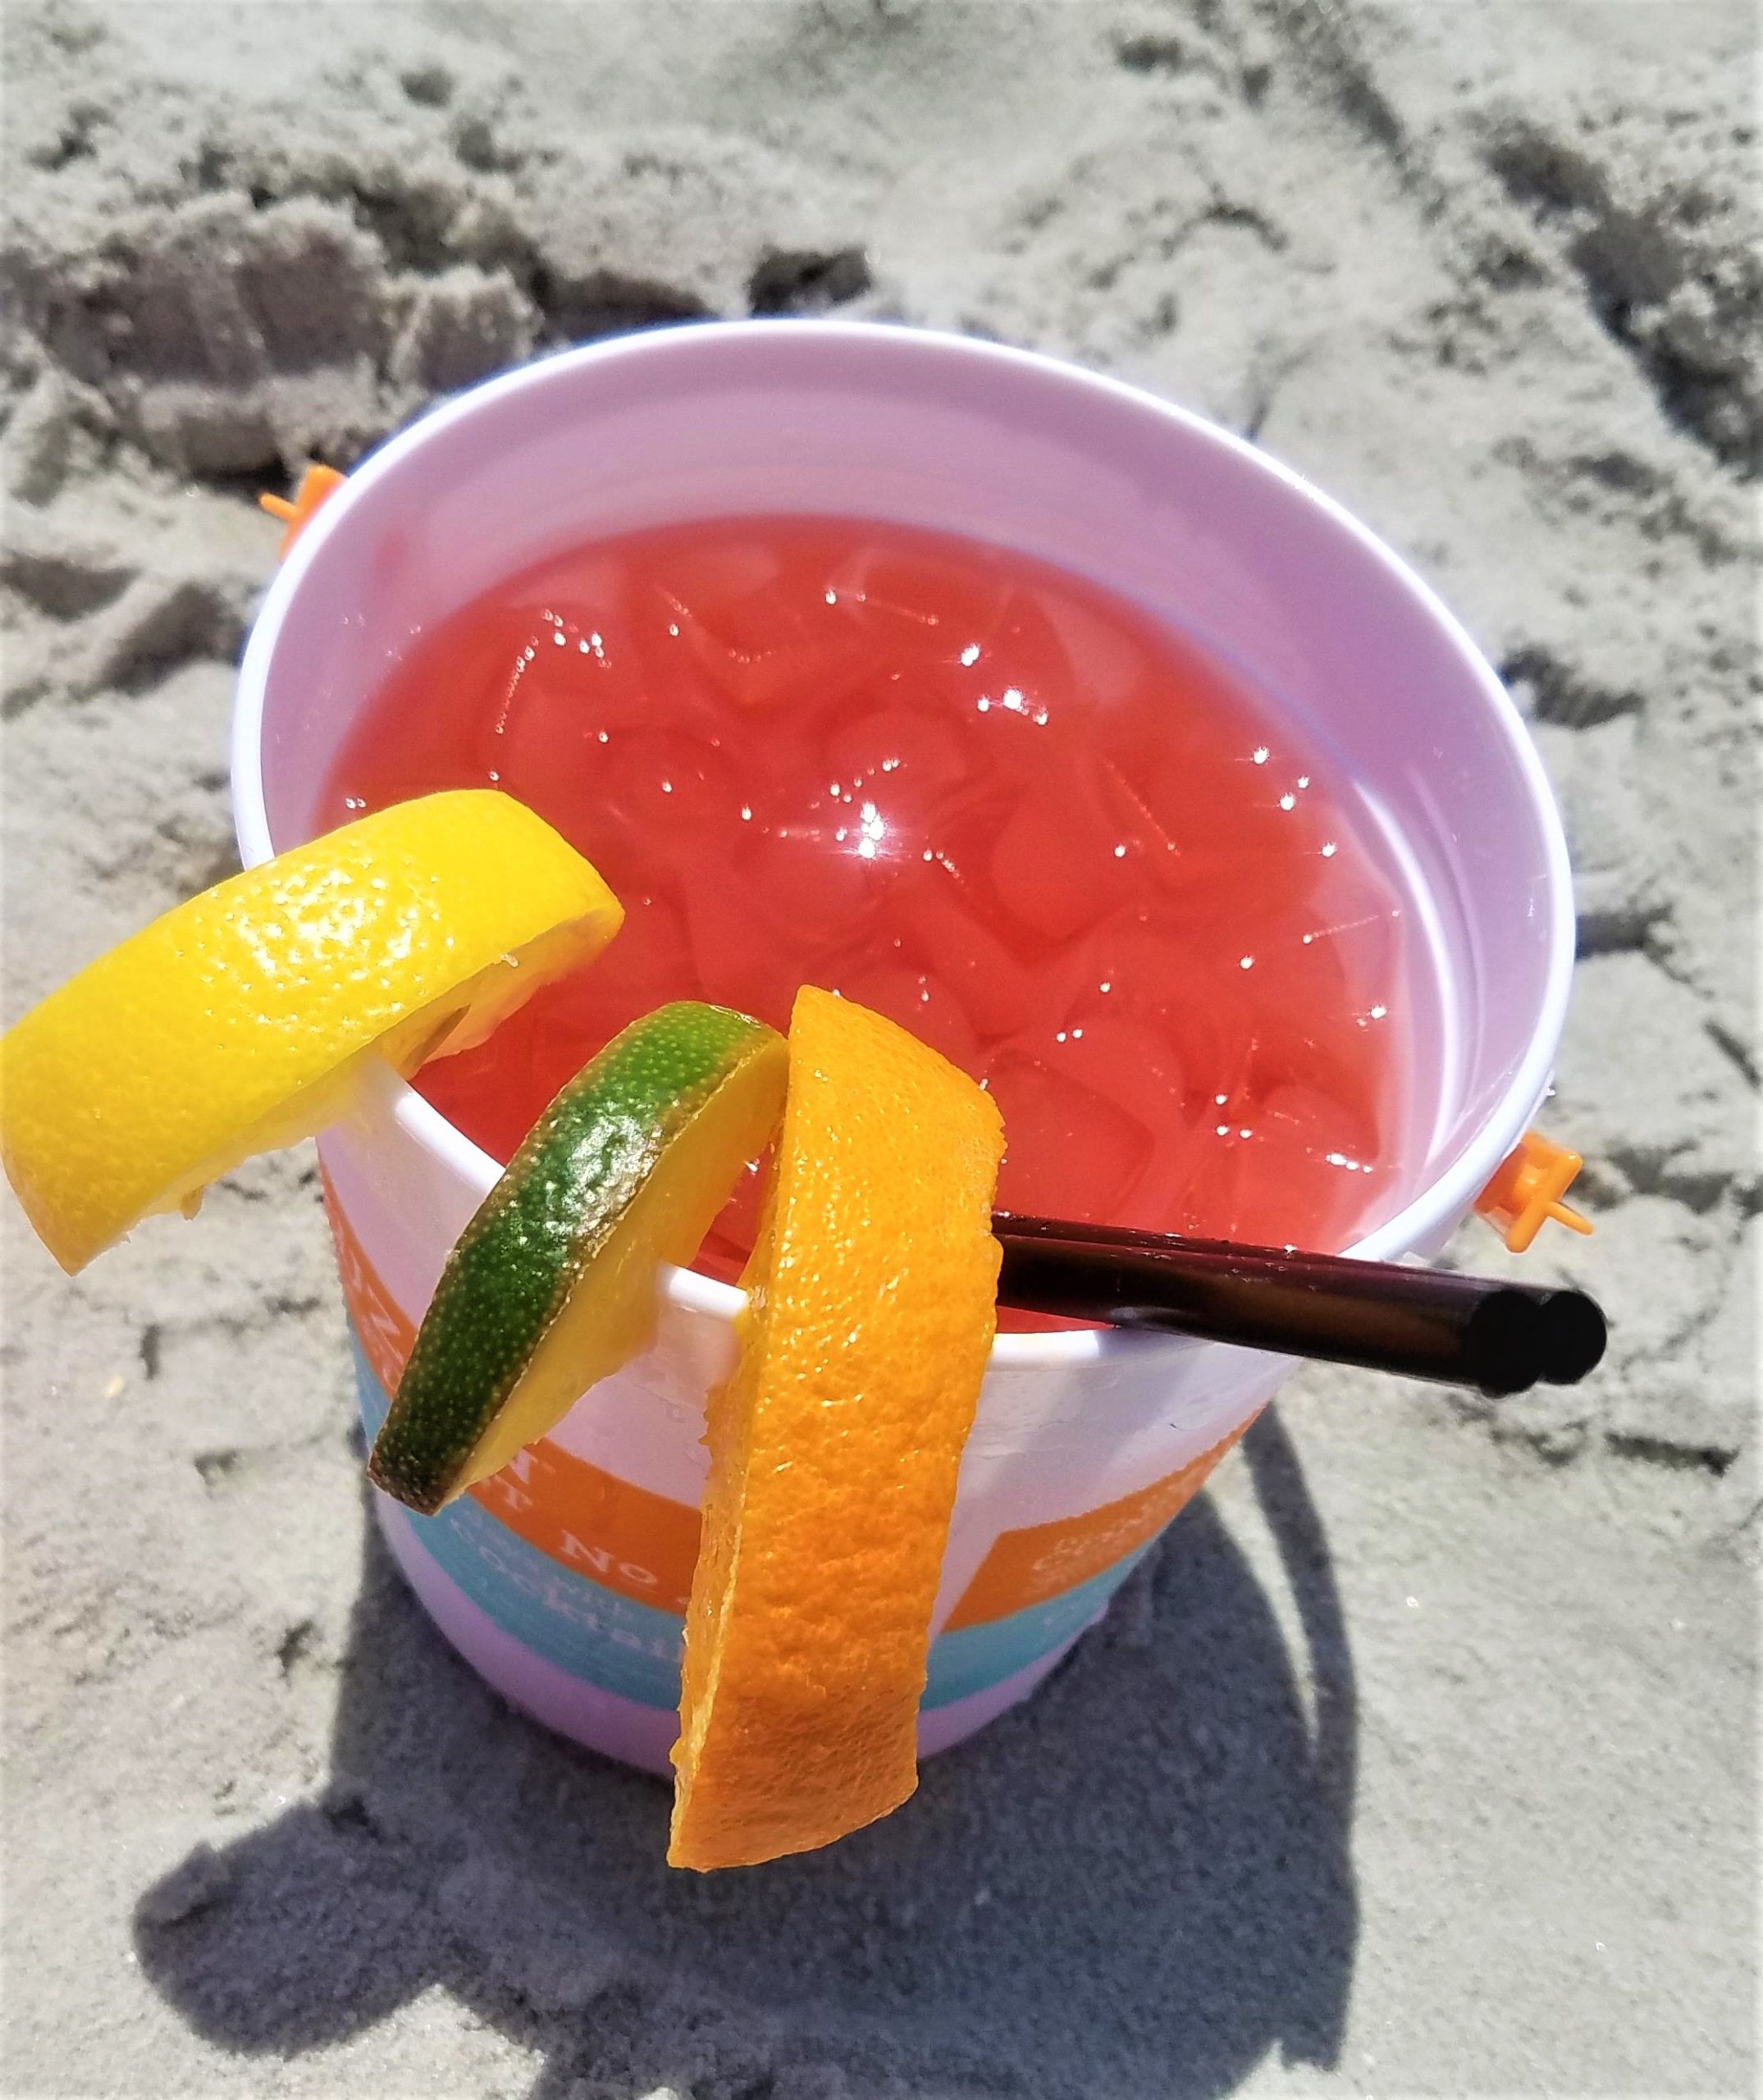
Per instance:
(1041,1561)
(642,1544)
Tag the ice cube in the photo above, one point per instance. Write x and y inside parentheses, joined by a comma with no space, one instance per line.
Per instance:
(907,596)
(738,959)
(1220,811)
(1115,1056)
(913,755)
(549,707)
(810,883)
(784,642)
(948,928)
(1107,664)
(1133,959)
(1072,1151)
(724,582)
(1309,1169)
(1062,861)
(1027,673)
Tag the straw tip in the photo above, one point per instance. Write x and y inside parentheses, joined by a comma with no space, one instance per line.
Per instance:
(1574,1334)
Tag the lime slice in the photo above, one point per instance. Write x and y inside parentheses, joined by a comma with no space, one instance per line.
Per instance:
(551,1285)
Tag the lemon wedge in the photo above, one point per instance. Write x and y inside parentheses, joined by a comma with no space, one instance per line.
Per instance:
(242,1020)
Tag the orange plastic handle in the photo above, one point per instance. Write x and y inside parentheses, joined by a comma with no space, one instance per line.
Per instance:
(1527,1191)
(317,484)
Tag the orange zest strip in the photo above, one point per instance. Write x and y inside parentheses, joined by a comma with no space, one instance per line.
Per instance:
(835,1447)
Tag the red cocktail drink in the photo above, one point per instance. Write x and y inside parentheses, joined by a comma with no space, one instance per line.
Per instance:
(989,798)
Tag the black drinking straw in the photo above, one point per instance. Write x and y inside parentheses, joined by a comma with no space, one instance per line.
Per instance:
(1423,1323)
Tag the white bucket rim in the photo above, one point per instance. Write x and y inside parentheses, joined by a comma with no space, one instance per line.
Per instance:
(1449,1195)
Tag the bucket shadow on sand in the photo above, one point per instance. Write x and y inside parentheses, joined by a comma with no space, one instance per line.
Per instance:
(1143,1874)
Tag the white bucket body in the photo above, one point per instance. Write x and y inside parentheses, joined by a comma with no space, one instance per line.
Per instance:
(564,1580)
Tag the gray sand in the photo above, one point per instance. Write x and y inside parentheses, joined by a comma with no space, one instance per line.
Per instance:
(1420,1760)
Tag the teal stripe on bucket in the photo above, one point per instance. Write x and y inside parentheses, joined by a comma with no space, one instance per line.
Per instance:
(976,1657)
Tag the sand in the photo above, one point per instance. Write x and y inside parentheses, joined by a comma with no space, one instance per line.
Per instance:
(1420,1759)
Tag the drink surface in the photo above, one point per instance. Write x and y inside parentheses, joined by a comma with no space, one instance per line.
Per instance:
(1011,810)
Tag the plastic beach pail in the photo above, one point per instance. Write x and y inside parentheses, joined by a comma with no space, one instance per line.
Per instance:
(564,1580)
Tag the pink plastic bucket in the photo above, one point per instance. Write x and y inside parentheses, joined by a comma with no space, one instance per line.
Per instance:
(562,1581)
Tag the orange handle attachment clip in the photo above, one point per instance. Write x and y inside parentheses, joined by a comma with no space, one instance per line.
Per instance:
(317,485)
(1527,1191)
